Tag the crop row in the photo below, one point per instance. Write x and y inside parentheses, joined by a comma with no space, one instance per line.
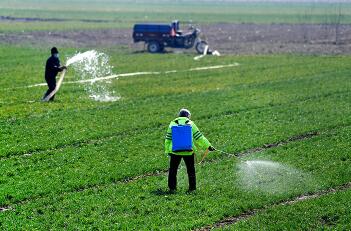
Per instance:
(328,212)
(136,152)
(23,67)
(74,97)
(19,71)
(40,130)
(319,163)
(235,97)
(15,100)
(119,129)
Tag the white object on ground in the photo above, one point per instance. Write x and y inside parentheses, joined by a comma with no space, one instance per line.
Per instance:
(59,82)
(200,56)
(205,50)
(213,67)
(112,77)
(134,74)
(216,53)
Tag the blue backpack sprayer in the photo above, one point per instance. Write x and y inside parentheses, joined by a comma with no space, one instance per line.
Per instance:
(182,141)
(182,138)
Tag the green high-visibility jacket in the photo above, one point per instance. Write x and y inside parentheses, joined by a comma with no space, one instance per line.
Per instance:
(199,140)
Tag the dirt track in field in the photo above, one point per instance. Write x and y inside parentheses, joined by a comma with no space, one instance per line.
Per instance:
(227,38)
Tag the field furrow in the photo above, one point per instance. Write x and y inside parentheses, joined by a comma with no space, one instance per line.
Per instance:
(136,199)
(99,139)
(230,221)
(41,130)
(122,156)
(158,172)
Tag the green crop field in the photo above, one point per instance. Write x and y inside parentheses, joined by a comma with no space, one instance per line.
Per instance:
(81,164)
(71,163)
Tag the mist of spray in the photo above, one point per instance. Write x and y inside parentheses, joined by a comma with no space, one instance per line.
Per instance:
(272,177)
(92,65)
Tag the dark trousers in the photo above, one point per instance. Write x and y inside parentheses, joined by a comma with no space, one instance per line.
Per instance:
(173,169)
(51,85)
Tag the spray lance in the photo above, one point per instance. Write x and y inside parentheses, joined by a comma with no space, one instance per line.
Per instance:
(216,150)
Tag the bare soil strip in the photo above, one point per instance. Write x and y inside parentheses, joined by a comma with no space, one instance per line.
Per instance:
(203,68)
(227,38)
(253,212)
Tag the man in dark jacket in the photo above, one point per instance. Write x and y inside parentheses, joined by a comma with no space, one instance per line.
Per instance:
(51,69)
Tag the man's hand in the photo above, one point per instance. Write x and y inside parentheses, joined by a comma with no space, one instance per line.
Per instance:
(211,148)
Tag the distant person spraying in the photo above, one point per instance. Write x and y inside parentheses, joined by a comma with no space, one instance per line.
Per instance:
(182,140)
(52,68)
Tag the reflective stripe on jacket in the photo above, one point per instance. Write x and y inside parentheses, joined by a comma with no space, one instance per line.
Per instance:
(199,140)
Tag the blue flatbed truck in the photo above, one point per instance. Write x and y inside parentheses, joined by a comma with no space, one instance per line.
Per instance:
(159,36)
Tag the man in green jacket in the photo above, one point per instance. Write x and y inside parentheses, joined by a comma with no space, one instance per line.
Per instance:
(182,140)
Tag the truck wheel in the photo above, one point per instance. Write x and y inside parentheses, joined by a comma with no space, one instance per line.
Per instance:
(189,42)
(153,47)
(200,47)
